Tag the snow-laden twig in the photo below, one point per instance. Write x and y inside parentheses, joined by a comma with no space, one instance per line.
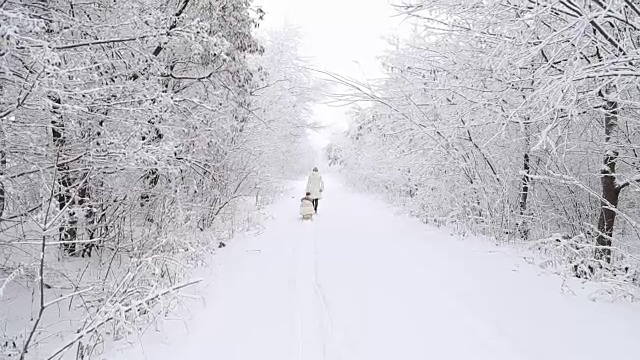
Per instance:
(117,311)
(67,296)
(9,279)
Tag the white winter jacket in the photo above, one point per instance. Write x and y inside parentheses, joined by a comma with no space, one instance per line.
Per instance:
(315,185)
(306,207)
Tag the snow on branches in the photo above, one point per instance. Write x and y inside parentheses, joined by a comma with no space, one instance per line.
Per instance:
(517,119)
(128,130)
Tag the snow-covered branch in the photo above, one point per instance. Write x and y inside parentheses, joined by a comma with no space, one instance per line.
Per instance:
(541,96)
(136,306)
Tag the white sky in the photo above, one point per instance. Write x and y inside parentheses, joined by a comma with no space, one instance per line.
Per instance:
(340,36)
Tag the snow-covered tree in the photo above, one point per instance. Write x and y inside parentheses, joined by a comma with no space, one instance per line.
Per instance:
(512,118)
(128,128)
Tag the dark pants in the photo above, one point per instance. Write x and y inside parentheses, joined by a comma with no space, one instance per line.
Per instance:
(315,205)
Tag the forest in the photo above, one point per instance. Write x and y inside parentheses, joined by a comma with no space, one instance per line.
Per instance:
(514,119)
(139,137)
(132,136)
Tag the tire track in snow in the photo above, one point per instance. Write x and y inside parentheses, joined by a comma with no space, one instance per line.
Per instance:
(326,316)
(330,326)
(315,321)
(295,270)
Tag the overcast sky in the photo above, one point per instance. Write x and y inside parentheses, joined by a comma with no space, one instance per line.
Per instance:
(340,36)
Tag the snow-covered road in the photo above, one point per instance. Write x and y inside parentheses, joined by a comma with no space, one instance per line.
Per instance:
(360,283)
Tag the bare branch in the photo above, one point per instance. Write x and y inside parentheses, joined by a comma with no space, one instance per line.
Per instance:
(133,307)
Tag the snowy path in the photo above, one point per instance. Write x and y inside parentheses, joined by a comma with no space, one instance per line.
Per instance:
(360,283)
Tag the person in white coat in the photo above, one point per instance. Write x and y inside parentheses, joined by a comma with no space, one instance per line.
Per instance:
(315,186)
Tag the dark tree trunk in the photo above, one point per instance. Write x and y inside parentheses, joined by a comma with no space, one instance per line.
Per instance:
(84,202)
(610,191)
(524,194)
(67,231)
(3,167)
(526,180)
(3,157)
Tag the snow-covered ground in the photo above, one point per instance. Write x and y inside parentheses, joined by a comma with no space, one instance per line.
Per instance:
(360,282)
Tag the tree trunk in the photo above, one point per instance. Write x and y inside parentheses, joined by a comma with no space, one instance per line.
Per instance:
(67,231)
(610,192)
(526,180)
(524,194)
(3,155)
(3,167)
